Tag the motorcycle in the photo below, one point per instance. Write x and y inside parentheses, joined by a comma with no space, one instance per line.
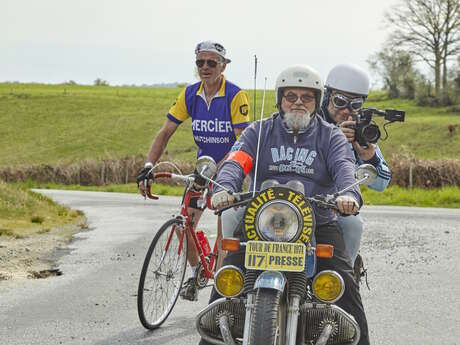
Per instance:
(280,298)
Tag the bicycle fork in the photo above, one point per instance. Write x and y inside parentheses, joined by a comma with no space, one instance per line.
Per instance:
(181,241)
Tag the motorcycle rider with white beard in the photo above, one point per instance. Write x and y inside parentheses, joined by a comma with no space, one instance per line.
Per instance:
(297,144)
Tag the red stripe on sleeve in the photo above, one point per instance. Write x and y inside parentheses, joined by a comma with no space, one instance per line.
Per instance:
(243,159)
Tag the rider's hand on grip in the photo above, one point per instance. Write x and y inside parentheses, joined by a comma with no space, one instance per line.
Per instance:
(347,204)
(145,178)
(222,199)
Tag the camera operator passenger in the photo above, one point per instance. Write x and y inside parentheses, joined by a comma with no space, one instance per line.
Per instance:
(346,89)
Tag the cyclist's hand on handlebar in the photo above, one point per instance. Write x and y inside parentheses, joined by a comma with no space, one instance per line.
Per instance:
(145,178)
(222,199)
(347,204)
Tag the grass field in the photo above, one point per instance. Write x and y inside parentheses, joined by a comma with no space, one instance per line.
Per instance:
(66,123)
(424,134)
(53,124)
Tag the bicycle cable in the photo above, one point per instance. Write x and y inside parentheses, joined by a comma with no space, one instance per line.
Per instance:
(170,163)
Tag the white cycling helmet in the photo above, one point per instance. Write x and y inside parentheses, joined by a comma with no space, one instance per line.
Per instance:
(348,78)
(299,76)
(214,47)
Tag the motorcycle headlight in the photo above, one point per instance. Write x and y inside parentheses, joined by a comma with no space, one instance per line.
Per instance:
(229,281)
(328,286)
(279,221)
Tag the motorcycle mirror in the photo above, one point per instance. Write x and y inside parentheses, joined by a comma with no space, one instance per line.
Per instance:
(206,166)
(268,184)
(366,170)
(297,186)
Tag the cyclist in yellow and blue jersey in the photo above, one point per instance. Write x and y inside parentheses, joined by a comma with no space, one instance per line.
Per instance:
(216,124)
(219,111)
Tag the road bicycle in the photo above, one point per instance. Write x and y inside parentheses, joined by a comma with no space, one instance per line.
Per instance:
(165,263)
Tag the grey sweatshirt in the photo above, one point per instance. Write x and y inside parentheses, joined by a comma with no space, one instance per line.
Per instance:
(319,157)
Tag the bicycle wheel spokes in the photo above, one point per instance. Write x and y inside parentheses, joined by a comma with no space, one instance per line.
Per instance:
(162,275)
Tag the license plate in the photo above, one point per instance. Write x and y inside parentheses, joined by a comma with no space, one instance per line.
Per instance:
(274,256)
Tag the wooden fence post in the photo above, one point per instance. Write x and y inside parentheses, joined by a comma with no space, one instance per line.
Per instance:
(410,175)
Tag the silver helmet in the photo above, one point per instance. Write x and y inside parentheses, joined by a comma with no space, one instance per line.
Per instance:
(348,78)
(299,76)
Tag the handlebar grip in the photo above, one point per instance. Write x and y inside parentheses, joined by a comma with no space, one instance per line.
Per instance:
(245,198)
(148,192)
(162,174)
(152,196)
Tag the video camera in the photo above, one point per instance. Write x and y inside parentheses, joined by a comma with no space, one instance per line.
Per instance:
(367,131)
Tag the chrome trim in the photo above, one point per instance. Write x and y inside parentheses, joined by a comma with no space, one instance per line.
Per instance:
(224,326)
(248,316)
(292,320)
(270,280)
(325,334)
(337,309)
(203,335)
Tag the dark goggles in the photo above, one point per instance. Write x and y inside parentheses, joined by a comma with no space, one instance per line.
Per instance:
(292,98)
(340,102)
(211,63)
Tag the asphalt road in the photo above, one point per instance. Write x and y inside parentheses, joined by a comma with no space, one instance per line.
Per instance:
(412,256)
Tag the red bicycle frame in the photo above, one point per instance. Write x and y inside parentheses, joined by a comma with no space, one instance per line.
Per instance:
(188,226)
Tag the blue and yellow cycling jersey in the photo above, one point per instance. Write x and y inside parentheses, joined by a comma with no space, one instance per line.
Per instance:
(213,126)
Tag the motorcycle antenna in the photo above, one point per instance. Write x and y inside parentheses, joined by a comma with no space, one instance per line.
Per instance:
(255,85)
(258,139)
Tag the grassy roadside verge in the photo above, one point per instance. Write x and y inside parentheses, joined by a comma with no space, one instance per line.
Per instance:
(24,213)
(159,189)
(448,197)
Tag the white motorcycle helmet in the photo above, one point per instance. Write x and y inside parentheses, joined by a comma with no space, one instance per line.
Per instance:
(299,76)
(348,78)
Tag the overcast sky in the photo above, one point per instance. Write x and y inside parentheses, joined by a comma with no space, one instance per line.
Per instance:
(153,41)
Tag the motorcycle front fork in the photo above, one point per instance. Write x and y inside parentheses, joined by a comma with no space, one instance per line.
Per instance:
(292,319)
(247,319)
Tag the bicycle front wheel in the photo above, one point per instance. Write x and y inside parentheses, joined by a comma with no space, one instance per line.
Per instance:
(162,275)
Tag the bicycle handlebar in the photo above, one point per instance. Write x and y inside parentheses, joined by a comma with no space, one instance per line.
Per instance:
(165,174)
(172,176)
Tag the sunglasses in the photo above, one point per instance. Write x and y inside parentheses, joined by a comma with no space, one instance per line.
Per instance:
(340,102)
(292,98)
(211,63)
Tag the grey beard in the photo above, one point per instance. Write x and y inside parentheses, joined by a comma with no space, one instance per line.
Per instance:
(296,122)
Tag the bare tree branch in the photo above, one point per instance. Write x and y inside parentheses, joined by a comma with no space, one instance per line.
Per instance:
(428,30)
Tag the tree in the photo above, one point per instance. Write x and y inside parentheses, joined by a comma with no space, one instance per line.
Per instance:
(457,75)
(429,30)
(451,39)
(101,82)
(396,68)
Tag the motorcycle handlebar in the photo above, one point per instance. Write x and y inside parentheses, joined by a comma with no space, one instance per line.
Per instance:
(324,202)
(244,198)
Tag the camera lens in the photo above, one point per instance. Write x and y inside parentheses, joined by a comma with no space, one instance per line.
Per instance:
(371,133)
